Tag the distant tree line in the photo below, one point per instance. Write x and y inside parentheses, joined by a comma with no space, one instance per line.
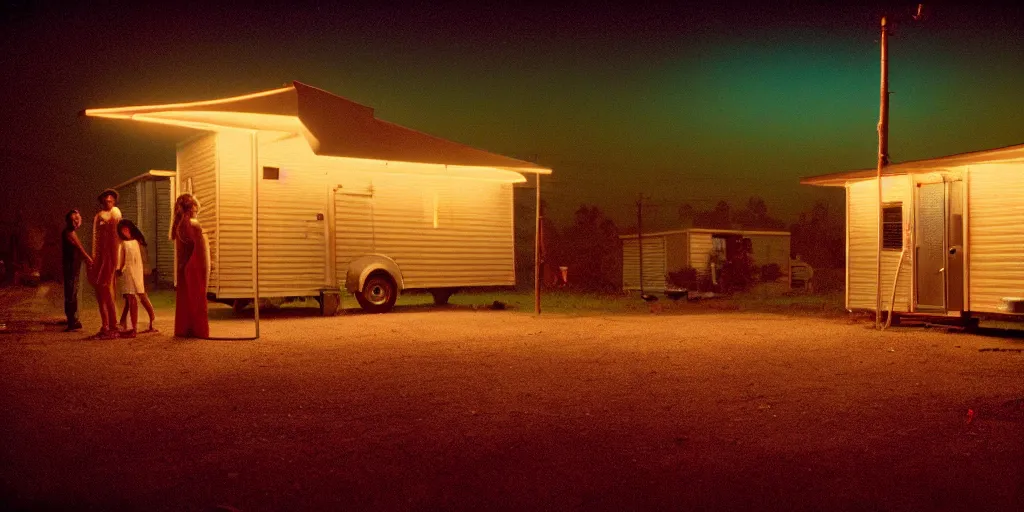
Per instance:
(754,215)
(591,249)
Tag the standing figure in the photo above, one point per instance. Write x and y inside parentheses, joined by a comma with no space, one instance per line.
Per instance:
(131,270)
(72,254)
(105,247)
(193,255)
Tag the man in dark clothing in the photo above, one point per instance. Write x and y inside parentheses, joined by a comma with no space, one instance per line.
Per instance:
(72,254)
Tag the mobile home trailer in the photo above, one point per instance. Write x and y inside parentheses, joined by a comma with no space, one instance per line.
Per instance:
(325,196)
(956,223)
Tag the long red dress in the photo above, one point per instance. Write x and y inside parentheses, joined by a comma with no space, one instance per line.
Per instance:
(190,311)
(105,248)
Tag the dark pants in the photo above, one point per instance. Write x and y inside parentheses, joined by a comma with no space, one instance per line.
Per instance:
(71,289)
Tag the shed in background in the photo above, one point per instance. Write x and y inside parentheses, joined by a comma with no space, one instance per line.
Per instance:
(703,250)
(148,201)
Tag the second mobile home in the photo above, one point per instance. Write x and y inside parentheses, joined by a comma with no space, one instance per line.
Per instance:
(956,221)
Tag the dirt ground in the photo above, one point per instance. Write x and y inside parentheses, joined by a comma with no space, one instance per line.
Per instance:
(457,409)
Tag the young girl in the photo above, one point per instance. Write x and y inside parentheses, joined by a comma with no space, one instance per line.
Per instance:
(131,271)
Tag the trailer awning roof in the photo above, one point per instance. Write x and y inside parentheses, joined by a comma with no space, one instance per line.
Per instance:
(333,126)
(148,175)
(839,179)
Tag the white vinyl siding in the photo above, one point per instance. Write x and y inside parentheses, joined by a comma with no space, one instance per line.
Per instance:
(700,252)
(996,234)
(197,164)
(292,241)
(442,231)
(863,242)
(353,218)
(234,237)
(146,201)
(382,208)
(472,244)
(654,271)
(164,207)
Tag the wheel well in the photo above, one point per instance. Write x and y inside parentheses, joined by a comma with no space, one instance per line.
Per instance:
(381,272)
(363,267)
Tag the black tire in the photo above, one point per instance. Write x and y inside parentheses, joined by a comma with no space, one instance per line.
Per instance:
(379,293)
(441,295)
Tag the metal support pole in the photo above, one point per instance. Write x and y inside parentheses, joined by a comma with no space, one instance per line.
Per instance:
(640,239)
(536,252)
(255,231)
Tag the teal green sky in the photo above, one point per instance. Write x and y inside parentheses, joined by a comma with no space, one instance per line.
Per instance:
(684,104)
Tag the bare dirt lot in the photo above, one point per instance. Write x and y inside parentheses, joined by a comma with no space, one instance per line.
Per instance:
(501,410)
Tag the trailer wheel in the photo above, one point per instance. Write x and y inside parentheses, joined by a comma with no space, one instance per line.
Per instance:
(379,293)
(441,295)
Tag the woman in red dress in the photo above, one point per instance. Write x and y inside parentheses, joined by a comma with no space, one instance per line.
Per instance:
(193,255)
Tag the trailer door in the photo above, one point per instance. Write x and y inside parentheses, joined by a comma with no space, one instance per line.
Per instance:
(353,226)
(931,247)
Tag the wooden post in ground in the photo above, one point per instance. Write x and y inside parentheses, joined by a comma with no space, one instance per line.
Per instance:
(883,160)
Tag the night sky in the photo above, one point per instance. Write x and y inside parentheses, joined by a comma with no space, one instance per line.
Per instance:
(682,104)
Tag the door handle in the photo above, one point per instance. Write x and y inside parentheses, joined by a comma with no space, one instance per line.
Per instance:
(943,269)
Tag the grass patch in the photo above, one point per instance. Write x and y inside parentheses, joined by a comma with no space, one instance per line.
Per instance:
(828,304)
(557,301)
(561,302)
(579,303)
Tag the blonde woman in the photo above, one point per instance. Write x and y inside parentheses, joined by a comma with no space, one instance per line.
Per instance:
(193,254)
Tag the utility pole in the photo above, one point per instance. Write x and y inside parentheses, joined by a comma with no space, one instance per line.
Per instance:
(883,157)
(883,160)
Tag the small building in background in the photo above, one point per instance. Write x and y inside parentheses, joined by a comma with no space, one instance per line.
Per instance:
(952,234)
(704,254)
(148,201)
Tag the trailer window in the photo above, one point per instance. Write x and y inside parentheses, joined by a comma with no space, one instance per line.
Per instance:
(271,173)
(892,226)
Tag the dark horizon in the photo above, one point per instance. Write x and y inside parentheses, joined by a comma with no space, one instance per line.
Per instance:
(684,105)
